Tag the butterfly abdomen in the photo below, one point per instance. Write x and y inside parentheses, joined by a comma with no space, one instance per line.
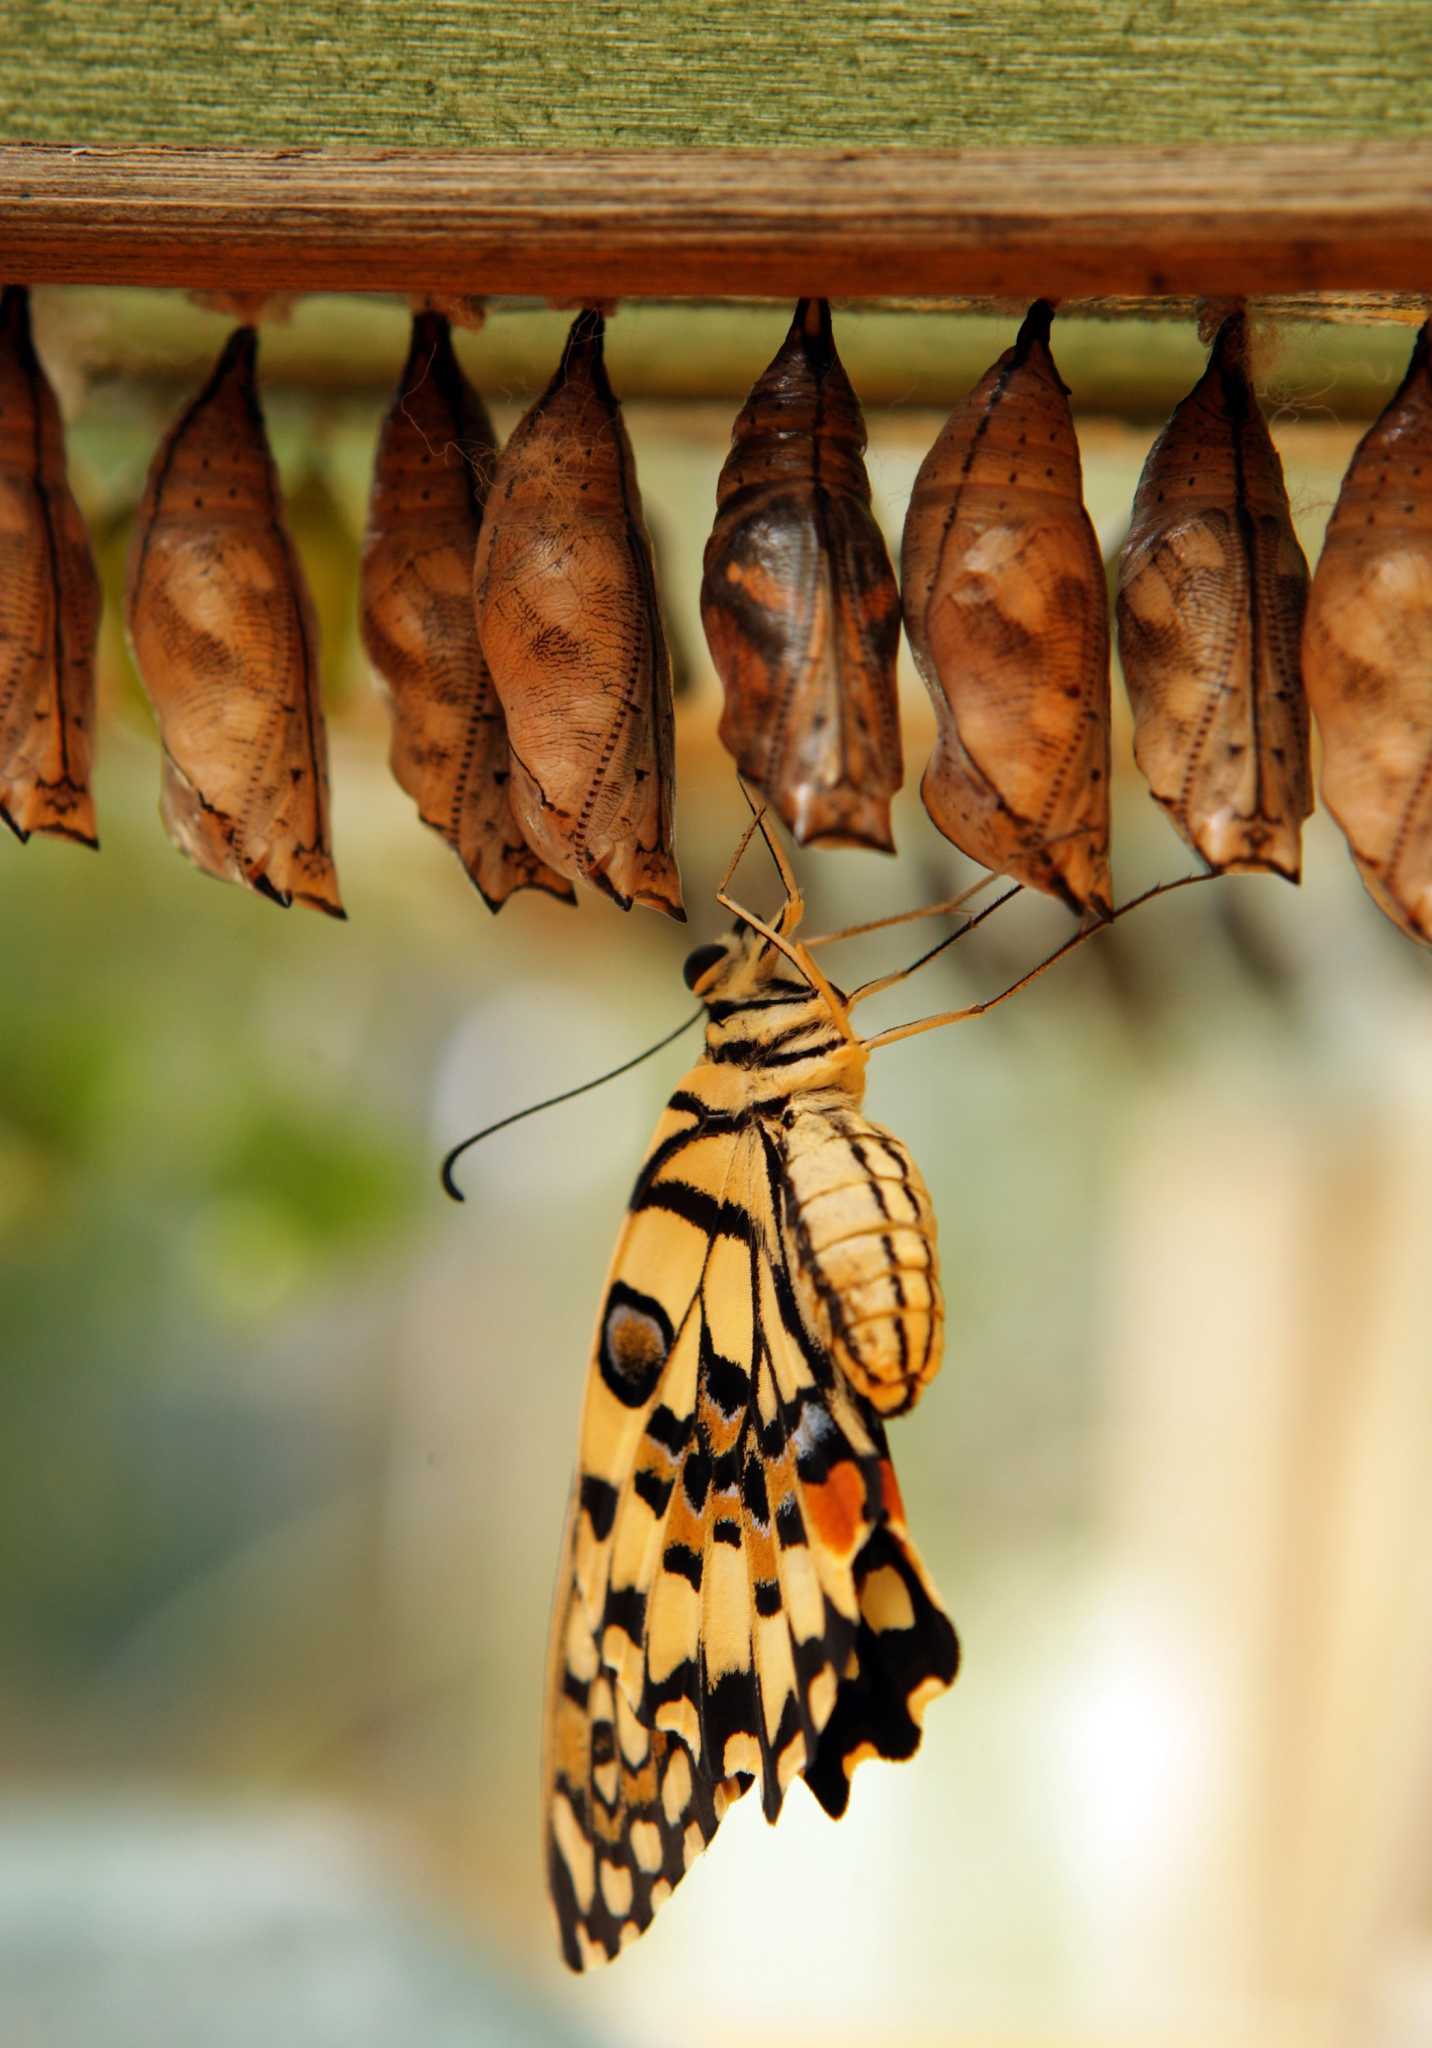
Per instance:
(864,1228)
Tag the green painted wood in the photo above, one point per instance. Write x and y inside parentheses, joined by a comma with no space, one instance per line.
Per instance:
(551,74)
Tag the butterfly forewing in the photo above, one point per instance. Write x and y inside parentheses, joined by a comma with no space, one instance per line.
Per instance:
(739,1600)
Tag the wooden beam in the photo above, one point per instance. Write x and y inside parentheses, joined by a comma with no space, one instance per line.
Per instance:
(1071,224)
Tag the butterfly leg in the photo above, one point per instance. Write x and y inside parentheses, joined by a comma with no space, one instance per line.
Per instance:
(1086,931)
(879,924)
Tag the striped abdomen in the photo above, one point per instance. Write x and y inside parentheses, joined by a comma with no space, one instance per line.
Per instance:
(863,1253)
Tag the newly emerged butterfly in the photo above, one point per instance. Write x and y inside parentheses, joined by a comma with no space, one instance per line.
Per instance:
(739,1601)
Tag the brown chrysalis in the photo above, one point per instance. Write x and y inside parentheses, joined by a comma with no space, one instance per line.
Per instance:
(226,640)
(1212,589)
(436,455)
(49,604)
(1367,653)
(567,617)
(799,600)
(1007,612)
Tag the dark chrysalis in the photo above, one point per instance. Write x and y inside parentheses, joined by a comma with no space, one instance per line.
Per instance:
(49,604)
(567,617)
(436,455)
(1212,589)
(1367,653)
(226,640)
(1007,612)
(799,600)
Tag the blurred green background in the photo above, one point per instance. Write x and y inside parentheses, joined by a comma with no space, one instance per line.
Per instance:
(285,1438)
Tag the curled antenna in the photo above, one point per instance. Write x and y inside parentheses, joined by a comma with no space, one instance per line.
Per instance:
(450,1186)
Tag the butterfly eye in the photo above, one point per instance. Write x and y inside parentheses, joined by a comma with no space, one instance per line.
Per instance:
(636,1337)
(701,962)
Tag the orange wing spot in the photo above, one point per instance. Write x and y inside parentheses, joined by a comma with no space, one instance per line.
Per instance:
(837,1508)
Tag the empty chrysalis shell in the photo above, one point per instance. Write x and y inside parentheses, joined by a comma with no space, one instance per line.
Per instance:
(49,604)
(1212,588)
(566,609)
(799,600)
(226,641)
(1367,653)
(436,455)
(1007,612)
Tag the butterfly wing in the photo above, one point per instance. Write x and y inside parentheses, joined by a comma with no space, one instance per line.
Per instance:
(739,1600)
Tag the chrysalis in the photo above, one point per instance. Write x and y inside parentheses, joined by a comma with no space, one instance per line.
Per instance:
(799,600)
(1007,612)
(568,621)
(226,640)
(49,604)
(436,455)
(1212,588)
(1367,653)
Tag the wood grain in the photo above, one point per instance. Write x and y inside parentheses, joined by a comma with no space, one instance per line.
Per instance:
(579,225)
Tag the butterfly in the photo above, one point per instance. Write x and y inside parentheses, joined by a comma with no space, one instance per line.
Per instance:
(739,1601)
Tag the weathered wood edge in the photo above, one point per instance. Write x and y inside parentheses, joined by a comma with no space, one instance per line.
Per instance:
(1071,224)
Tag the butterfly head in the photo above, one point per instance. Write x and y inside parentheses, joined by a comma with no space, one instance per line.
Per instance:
(744,971)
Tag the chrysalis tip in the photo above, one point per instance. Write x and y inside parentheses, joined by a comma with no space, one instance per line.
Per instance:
(1034,331)
(585,338)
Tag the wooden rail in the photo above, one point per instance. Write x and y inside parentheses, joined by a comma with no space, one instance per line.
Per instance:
(1076,223)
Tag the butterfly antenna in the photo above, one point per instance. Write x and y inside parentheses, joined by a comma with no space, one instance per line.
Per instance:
(450,1186)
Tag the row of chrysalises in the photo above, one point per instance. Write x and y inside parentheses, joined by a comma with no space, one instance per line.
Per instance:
(509,602)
